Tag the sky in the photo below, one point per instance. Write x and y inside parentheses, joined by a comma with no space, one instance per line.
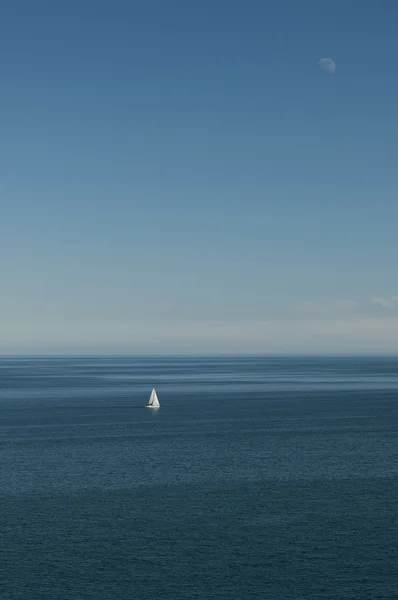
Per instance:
(182,176)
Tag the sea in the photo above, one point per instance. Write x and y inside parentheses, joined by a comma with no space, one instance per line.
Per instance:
(258,477)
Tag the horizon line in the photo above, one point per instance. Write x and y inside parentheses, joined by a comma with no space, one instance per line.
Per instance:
(199,355)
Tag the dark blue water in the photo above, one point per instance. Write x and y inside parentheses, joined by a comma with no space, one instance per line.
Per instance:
(256,478)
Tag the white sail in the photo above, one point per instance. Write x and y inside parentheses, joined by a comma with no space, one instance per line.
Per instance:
(153,400)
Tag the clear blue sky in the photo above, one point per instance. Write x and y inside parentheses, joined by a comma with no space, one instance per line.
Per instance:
(182,176)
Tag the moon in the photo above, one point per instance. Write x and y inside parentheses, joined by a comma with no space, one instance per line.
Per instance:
(327,64)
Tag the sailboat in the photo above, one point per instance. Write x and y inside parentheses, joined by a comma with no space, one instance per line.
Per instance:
(153,401)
